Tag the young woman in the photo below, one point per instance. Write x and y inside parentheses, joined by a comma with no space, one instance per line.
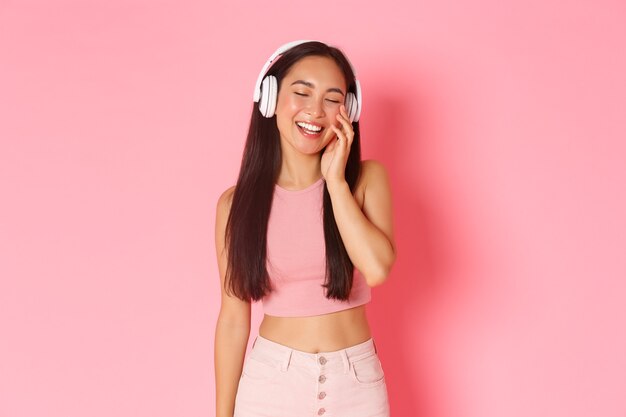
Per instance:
(307,230)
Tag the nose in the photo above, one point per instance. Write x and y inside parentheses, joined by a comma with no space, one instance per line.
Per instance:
(315,108)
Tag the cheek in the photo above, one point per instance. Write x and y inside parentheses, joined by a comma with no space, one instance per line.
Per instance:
(290,103)
(285,110)
(332,114)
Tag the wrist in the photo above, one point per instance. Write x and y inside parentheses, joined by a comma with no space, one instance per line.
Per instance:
(337,185)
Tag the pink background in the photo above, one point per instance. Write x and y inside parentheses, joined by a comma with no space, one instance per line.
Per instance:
(502,125)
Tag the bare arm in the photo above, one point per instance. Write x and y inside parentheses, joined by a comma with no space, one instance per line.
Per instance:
(233,324)
(368,234)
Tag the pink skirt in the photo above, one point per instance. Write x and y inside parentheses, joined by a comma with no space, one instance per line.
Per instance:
(278,381)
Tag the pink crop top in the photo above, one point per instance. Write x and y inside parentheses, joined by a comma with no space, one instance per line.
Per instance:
(296,260)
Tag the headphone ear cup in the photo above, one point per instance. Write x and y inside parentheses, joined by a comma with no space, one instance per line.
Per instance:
(269,92)
(351,106)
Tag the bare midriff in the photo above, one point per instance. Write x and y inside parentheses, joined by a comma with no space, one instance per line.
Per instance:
(322,333)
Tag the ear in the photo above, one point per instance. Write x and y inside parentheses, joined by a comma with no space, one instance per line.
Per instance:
(269,90)
(351,106)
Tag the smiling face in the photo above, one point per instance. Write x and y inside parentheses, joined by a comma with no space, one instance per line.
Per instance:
(308,102)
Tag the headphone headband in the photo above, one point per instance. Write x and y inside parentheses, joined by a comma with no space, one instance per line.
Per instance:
(281,50)
(356,111)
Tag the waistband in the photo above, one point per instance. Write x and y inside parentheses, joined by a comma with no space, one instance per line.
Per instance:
(284,356)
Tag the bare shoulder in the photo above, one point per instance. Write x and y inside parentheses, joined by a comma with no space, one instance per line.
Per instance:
(222,211)
(372,167)
(225,199)
(374,175)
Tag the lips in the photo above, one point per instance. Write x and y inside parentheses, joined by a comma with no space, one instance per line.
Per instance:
(310,130)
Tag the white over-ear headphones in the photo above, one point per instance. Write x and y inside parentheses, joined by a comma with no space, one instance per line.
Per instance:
(266,89)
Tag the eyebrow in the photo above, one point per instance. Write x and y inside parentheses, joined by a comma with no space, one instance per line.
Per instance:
(311,85)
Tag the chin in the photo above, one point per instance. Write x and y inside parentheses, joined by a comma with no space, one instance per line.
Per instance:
(309,150)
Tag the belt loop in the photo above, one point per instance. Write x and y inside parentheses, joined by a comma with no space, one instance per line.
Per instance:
(254,343)
(285,365)
(346,361)
(374,343)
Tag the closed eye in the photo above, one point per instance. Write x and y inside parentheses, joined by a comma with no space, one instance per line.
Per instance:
(301,94)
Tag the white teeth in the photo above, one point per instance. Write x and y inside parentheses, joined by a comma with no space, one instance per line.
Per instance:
(309,127)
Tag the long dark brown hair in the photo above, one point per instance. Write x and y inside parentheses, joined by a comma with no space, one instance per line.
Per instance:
(246,230)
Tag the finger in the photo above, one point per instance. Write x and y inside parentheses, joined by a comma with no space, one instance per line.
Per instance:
(341,137)
(331,146)
(345,122)
(343,118)
(347,132)
(346,125)
(343,144)
(338,132)
(344,111)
